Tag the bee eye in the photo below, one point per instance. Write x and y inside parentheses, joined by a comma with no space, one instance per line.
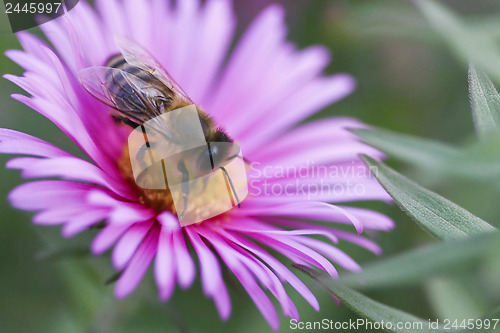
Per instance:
(223,137)
(210,158)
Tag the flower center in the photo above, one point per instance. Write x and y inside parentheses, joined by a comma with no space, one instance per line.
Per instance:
(159,200)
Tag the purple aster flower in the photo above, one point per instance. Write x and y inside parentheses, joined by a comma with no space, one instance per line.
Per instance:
(258,95)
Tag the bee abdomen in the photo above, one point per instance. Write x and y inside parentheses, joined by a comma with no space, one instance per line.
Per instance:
(126,98)
(116,61)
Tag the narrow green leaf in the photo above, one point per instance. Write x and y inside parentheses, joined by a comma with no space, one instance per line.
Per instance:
(478,160)
(469,44)
(416,265)
(485,102)
(387,319)
(378,312)
(452,297)
(438,216)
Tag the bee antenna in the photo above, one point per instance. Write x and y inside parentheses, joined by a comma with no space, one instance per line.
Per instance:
(232,186)
(181,166)
(238,156)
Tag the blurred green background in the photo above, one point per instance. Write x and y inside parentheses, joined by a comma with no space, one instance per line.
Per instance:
(410,79)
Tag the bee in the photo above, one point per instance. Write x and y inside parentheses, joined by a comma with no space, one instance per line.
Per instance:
(139,89)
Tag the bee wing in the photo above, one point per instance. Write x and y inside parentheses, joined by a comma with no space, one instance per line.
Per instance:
(137,56)
(125,92)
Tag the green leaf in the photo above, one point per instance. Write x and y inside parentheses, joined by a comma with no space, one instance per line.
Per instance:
(452,297)
(377,312)
(438,216)
(469,44)
(485,102)
(478,160)
(374,311)
(368,308)
(416,265)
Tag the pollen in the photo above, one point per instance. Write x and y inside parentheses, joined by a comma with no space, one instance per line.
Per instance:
(159,200)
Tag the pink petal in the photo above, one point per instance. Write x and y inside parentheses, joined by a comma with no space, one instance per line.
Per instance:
(31,44)
(322,133)
(267,30)
(60,214)
(114,17)
(32,63)
(211,275)
(107,237)
(331,252)
(358,240)
(45,194)
(248,282)
(184,32)
(69,168)
(14,142)
(82,221)
(216,29)
(88,27)
(164,265)
(138,265)
(308,210)
(289,247)
(128,244)
(121,212)
(298,107)
(186,271)
(57,35)
(283,272)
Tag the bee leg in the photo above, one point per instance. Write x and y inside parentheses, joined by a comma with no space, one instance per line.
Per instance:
(141,153)
(140,157)
(232,186)
(181,166)
(125,120)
